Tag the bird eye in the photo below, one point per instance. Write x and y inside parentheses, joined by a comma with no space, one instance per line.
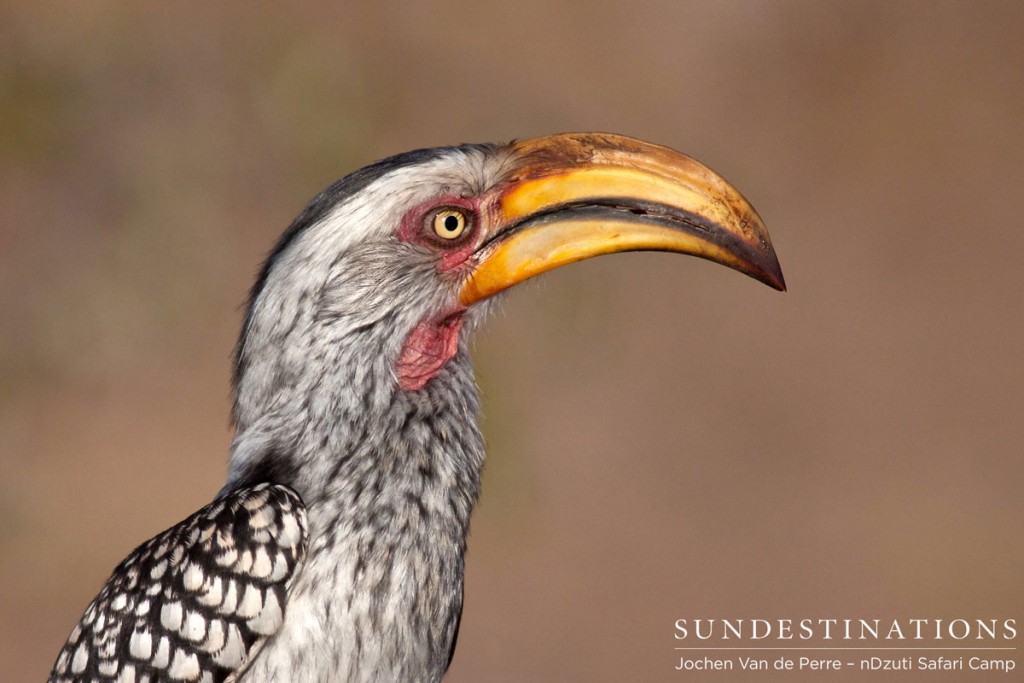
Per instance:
(449,224)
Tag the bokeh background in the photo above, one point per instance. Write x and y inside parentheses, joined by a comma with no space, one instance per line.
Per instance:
(668,439)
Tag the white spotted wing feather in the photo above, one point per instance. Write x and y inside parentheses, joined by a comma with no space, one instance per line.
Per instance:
(197,601)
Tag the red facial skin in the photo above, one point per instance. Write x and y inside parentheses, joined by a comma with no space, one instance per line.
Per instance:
(415,228)
(428,347)
(433,342)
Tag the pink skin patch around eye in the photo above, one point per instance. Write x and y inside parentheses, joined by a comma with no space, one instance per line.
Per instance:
(454,255)
(428,347)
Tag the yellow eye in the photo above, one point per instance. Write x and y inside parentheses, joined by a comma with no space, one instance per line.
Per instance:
(449,224)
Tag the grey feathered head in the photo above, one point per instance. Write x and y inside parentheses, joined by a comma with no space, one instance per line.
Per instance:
(379,273)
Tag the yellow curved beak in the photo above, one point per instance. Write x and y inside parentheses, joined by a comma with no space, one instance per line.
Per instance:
(575,196)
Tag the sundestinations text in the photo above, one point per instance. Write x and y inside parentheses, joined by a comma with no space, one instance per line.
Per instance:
(847,629)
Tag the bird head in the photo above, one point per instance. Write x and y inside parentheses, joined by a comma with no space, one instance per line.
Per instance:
(387,270)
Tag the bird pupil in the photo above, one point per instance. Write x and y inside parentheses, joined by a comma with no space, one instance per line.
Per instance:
(451,223)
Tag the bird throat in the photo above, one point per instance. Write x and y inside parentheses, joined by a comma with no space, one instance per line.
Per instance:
(428,347)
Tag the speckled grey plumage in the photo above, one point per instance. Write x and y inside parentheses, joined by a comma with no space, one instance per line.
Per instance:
(388,478)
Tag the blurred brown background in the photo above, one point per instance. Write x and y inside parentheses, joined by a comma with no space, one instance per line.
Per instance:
(668,439)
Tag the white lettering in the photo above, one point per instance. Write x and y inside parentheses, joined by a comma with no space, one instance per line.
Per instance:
(681,628)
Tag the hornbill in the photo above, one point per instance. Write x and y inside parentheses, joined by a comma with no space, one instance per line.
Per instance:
(335,551)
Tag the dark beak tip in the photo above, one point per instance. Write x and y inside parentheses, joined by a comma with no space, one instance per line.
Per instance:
(770,270)
(763,265)
(772,278)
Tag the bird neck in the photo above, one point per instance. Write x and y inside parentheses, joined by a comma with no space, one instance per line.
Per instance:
(389,478)
(353,430)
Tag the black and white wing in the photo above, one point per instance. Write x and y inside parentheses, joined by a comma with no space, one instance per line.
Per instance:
(197,601)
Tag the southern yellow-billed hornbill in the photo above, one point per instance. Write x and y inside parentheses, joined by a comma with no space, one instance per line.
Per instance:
(335,550)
